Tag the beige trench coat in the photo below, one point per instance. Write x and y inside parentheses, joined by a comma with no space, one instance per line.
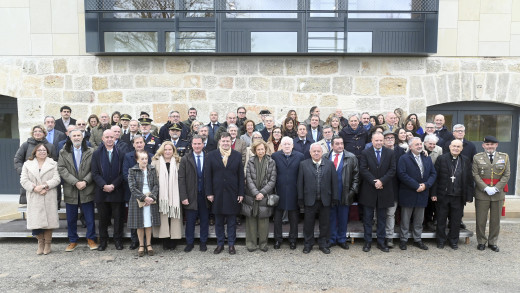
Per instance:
(169,228)
(42,210)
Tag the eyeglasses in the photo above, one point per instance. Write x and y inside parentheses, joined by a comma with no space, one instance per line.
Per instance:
(279,132)
(42,151)
(459,131)
(389,138)
(241,112)
(81,124)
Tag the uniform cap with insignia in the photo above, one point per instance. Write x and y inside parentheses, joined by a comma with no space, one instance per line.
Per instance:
(126,117)
(265,112)
(145,121)
(175,126)
(490,139)
(144,113)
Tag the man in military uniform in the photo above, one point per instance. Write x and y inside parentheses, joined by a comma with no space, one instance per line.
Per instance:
(491,173)
(180,144)
(152,142)
(125,122)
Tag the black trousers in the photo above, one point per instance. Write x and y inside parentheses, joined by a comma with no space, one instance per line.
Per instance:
(293,224)
(452,207)
(117,210)
(309,220)
(430,214)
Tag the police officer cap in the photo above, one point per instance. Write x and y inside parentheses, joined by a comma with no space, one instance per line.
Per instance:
(126,117)
(145,121)
(490,139)
(175,126)
(144,113)
(264,112)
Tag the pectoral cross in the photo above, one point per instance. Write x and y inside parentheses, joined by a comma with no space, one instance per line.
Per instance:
(452,179)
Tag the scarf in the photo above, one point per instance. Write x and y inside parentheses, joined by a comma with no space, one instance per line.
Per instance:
(169,200)
(261,170)
(225,155)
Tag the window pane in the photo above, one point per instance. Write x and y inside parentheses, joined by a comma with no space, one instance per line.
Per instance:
(9,126)
(191,42)
(130,42)
(324,5)
(479,126)
(359,42)
(141,5)
(326,42)
(274,42)
(261,5)
(379,5)
(199,5)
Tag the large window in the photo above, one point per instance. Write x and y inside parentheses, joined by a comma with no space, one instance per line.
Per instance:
(253,26)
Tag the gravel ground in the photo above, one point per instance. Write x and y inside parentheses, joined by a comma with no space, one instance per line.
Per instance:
(413,270)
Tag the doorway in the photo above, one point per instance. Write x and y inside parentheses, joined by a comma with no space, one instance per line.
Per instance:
(9,143)
(482,119)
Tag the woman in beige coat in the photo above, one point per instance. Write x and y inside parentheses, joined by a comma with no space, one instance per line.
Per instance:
(166,163)
(40,178)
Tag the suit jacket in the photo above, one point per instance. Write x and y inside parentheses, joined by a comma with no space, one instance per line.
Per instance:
(287,179)
(241,147)
(182,146)
(348,180)
(299,146)
(307,183)
(325,147)
(320,133)
(61,127)
(226,183)
(58,136)
(106,173)
(370,171)
(387,127)
(188,181)
(211,131)
(483,169)
(152,143)
(164,131)
(410,178)
(265,134)
(126,138)
(210,145)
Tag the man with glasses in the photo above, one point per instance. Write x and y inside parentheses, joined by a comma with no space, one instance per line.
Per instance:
(174,117)
(65,120)
(260,126)
(269,124)
(82,124)
(430,129)
(133,126)
(231,118)
(241,118)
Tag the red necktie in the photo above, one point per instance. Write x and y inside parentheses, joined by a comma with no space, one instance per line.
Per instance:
(233,145)
(336,161)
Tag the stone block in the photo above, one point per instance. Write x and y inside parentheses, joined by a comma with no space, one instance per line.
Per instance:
(141,81)
(209,82)
(225,82)
(454,87)
(262,98)
(147,96)
(227,67)
(45,66)
(278,98)
(513,94)
(99,83)
(52,95)
(240,82)
(502,85)
(243,97)
(493,49)
(248,66)
(177,65)
(178,96)
(259,83)
(197,95)
(450,64)
(283,84)
(447,42)
(314,85)
(112,97)
(81,83)
(31,109)
(394,102)
(342,85)
(365,86)
(433,65)
(370,66)
(416,106)
(104,65)
(495,27)
(493,6)
(441,83)
(120,65)
(467,38)
(492,65)
(218,96)
(466,88)
(374,104)
(304,99)
(468,10)
(415,65)
(468,65)
(271,66)
(416,90)
(428,83)
(87,65)
(347,103)
(78,96)
(157,65)
(29,67)
(329,101)
(51,109)
(139,65)
(448,14)
(191,81)
(479,80)
(349,66)
(296,66)
(202,65)
(60,65)
(491,81)
(392,86)
(53,81)
(160,111)
(324,66)
(165,81)
(121,81)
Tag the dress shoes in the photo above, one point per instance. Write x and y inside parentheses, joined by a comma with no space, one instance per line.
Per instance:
(389,242)
(188,248)
(134,245)
(119,245)
(325,250)
(454,246)
(494,248)
(383,247)
(332,244)
(307,249)
(402,245)
(481,247)
(462,225)
(420,245)
(343,245)
(292,245)
(232,249)
(102,245)
(277,245)
(367,246)
(440,245)
(203,247)
(251,249)
(218,249)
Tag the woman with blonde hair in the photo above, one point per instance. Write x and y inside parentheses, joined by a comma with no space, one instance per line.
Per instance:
(334,122)
(40,178)
(166,162)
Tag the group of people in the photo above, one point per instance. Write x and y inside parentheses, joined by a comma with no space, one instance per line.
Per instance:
(157,178)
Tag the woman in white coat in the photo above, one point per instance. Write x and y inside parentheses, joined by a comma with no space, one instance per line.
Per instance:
(40,178)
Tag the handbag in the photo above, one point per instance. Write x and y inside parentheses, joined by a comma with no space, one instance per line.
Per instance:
(142,203)
(272,200)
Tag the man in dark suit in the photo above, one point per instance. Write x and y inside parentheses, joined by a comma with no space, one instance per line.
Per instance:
(133,126)
(468,148)
(441,130)
(269,124)
(225,189)
(107,165)
(152,143)
(416,176)
(191,193)
(317,192)
(65,120)
(377,168)
(54,136)
(302,143)
(314,129)
(287,166)
(180,144)
(213,125)
(208,143)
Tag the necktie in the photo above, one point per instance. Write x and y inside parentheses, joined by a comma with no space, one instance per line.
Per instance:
(199,169)
(336,160)
(315,134)
(287,157)
(77,156)
(419,163)
(378,156)
(491,158)
(233,145)
(175,143)
(131,137)
(328,145)
(390,127)
(110,156)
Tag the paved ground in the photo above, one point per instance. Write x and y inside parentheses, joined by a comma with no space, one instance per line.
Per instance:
(435,270)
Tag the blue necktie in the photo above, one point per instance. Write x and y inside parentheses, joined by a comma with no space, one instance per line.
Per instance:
(199,169)
(328,145)
(110,156)
(378,156)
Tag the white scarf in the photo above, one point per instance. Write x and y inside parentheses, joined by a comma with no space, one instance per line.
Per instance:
(169,200)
